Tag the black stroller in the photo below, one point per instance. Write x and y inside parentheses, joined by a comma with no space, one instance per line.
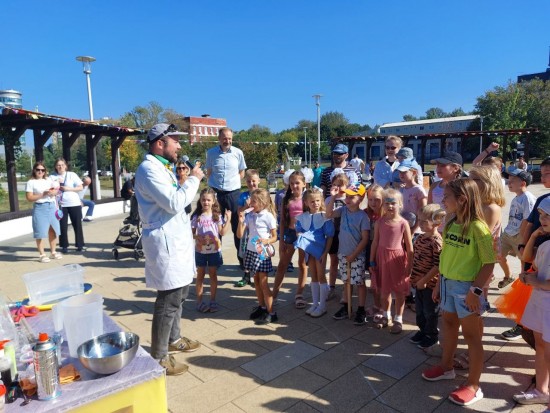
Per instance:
(129,236)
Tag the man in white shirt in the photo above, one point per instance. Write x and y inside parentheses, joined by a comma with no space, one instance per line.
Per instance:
(167,241)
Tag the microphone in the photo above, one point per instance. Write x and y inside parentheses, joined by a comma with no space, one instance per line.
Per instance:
(185,159)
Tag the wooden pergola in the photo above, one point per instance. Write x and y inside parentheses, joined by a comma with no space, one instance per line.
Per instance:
(15,122)
(490,134)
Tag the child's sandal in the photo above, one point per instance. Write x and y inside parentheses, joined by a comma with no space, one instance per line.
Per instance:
(461,361)
(202,308)
(213,307)
(299,302)
(504,282)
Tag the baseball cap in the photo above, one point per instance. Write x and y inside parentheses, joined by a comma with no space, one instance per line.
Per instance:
(340,148)
(355,190)
(521,174)
(161,130)
(405,165)
(405,153)
(449,157)
(545,205)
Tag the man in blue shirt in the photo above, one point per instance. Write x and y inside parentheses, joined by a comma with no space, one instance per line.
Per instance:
(225,168)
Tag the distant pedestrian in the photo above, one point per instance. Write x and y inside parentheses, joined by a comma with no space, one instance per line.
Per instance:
(86,181)
(317,171)
(358,163)
(69,186)
(41,191)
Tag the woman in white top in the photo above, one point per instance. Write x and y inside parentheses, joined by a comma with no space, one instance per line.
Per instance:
(41,191)
(69,186)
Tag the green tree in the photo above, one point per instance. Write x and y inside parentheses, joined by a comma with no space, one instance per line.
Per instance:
(2,165)
(516,106)
(23,163)
(262,157)
(409,118)
(434,113)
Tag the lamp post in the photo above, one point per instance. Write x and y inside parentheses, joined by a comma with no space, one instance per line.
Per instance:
(481,136)
(87,68)
(318,103)
(305,145)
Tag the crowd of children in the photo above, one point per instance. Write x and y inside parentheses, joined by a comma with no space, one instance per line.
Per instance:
(445,250)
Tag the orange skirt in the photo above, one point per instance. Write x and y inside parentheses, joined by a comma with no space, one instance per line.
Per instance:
(512,304)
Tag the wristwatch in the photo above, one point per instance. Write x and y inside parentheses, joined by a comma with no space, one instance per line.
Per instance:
(476,290)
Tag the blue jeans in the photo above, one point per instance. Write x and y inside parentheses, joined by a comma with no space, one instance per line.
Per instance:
(90,204)
(166,320)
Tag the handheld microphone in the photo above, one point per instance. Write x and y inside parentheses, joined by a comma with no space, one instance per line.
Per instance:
(187,162)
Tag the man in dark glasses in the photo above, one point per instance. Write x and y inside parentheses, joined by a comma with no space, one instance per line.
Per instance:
(167,241)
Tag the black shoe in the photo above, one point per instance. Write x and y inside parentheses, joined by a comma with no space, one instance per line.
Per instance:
(267,318)
(427,342)
(80,249)
(417,338)
(342,313)
(513,334)
(65,250)
(360,318)
(257,313)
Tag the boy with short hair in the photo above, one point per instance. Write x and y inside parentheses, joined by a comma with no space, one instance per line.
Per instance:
(520,209)
(353,239)
(252,178)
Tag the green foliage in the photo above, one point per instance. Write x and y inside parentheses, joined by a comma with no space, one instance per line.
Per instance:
(2,165)
(23,163)
(519,105)
(261,157)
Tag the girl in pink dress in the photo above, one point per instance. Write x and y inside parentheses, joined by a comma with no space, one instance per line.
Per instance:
(391,256)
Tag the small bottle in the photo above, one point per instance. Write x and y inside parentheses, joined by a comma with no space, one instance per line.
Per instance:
(46,368)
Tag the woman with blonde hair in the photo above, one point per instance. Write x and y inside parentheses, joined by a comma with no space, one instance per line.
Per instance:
(383,171)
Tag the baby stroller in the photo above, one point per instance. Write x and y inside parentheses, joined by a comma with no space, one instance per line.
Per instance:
(129,235)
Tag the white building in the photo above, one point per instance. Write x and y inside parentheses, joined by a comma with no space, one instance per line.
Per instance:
(419,127)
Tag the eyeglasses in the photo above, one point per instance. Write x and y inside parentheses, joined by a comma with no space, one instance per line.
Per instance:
(393,148)
(171,128)
(40,170)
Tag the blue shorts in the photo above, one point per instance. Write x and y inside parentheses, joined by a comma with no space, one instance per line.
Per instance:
(453,296)
(290,236)
(214,260)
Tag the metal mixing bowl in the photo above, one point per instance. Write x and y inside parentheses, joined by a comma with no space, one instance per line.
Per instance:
(108,353)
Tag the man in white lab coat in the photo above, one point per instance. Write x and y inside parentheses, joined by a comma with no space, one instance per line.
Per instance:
(167,241)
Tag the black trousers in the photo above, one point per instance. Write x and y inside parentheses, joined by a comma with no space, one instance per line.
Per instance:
(76,219)
(229,200)
(426,312)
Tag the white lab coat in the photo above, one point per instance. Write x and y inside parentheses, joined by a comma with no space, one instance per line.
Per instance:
(167,237)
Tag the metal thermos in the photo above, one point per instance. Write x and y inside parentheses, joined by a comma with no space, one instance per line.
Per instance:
(46,368)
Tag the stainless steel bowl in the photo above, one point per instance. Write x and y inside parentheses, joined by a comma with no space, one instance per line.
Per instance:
(108,353)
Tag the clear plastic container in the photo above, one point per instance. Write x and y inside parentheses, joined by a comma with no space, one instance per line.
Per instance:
(55,284)
(82,319)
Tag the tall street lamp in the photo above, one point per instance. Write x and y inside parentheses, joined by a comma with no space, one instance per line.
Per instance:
(481,136)
(318,103)
(305,145)
(87,66)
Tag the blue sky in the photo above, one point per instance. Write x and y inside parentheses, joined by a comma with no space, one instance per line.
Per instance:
(260,62)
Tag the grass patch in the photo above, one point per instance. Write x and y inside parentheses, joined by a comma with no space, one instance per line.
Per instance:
(23,203)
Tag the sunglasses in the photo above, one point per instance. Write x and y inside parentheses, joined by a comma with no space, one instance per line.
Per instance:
(181,168)
(40,170)
(392,148)
(171,128)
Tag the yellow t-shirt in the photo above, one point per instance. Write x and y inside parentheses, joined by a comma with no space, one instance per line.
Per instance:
(463,256)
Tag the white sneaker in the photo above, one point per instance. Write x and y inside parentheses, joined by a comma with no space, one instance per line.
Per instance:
(531,397)
(311,309)
(88,219)
(318,312)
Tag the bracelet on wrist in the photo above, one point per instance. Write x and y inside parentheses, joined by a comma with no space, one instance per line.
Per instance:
(372,264)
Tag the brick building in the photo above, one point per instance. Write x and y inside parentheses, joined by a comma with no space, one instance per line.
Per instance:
(202,127)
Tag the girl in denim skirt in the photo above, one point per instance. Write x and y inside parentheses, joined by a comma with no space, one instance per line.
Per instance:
(465,264)
(208,227)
